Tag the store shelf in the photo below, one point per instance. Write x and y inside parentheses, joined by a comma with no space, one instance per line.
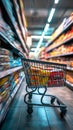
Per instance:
(10,71)
(6,106)
(68,54)
(14,49)
(22,41)
(14,25)
(68,40)
(59,34)
(56,49)
(22,21)
(70,85)
(16,7)
(6,39)
(70,68)
(22,13)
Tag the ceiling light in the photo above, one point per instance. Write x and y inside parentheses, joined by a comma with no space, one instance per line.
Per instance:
(32,49)
(40,42)
(51,15)
(38,37)
(56,1)
(42,37)
(46,27)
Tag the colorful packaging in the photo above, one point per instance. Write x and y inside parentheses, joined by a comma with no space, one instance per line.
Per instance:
(3,80)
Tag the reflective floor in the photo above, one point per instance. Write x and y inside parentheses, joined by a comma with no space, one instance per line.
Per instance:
(42,118)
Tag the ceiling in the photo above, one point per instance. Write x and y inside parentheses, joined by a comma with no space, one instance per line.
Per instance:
(37,12)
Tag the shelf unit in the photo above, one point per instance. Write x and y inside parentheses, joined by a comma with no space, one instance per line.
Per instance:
(69,85)
(11,78)
(65,42)
(16,7)
(20,21)
(9,100)
(14,23)
(70,68)
(68,54)
(24,21)
(10,71)
(65,29)
(12,46)
(53,49)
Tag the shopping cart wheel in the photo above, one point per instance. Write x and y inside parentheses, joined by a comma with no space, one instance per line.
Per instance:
(29,109)
(63,112)
(52,100)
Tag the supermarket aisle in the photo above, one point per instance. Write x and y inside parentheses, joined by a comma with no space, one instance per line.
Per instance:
(42,118)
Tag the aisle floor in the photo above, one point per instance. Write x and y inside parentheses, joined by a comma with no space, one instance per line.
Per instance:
(42,118)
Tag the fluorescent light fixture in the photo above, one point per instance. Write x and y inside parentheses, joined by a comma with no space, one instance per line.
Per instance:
(42,37)
(38,37)
(40,41)
(51,15)
(46,27)
(32,49)
(56,1)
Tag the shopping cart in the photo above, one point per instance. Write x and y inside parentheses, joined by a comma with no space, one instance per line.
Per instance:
(40,74)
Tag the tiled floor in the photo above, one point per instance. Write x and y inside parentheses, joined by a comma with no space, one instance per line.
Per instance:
(42,118)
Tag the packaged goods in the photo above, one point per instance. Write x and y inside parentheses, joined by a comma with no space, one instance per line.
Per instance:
(3,80)
(69,77)
(4,58)
(4,95)
(6,85)
(5,66)
(4,51)
(16,81)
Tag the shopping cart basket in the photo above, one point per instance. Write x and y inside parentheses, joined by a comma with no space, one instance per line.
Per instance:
(40,74)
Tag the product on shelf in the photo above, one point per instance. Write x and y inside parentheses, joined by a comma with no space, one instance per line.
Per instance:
(4,89)
(63,26)
(71,62)
(6,30)
(3,80)
(7,85)
(60,48)
(63,38)
(69,77)
(4,58)
(7,60)
(4,51)
(4,95)
(64,49)
(11,45)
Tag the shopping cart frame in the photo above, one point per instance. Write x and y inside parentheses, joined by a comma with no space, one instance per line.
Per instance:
(30,91)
